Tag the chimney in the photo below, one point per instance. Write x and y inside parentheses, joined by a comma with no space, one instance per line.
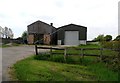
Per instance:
(51,24)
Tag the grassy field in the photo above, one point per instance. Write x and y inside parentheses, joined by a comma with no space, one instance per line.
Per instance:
(46,67)
(71,50)
(32,69)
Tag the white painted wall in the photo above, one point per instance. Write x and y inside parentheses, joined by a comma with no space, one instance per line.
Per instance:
(83,42)
(59,42)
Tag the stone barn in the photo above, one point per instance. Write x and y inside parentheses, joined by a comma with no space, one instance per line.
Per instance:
(41,32)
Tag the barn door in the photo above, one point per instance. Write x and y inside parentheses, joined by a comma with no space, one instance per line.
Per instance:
(71,38)
(47,39)
(30,39)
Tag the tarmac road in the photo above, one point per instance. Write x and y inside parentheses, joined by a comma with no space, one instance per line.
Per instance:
(12,54)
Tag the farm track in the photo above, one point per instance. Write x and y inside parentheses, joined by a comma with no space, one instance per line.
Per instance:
(11,55)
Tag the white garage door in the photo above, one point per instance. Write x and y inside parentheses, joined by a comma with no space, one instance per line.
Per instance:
(71,38)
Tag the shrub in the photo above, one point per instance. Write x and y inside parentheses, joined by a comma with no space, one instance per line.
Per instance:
(116,44)
(111,45)
(107,45)
(111,62)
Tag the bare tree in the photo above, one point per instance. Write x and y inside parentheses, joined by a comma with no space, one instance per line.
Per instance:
(10,33)
(1,32)
(6,32)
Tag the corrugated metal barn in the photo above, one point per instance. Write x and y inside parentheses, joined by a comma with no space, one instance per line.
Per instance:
(47,34)
(72,35)
(41,32)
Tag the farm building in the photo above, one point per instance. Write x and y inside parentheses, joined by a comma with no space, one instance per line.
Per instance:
(71,35)
(47,34)
(41,32)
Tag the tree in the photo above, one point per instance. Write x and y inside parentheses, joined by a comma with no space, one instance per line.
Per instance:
(24,36)
(117,38)
(1,32)
(108,38)
(100,38)
(6,32)
(10,33)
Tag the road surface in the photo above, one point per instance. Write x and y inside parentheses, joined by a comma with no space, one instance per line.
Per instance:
(12,54)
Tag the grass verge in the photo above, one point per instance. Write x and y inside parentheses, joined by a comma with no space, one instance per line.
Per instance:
(6,45)
(34,69)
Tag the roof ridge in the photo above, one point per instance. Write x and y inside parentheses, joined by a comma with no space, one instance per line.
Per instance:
(72,24)
(41,22)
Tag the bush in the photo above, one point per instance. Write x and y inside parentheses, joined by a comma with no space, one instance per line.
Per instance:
(107,45)
(116,44)
(111,62)
(111,45)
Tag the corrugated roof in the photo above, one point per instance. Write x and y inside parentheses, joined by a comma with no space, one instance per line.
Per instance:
(71,25)
(40,22)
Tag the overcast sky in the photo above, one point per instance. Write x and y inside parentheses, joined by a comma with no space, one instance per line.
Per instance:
(99,16)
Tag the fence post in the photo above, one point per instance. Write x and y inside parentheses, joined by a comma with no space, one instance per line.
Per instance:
(36,51)
(65,54)
(50,50)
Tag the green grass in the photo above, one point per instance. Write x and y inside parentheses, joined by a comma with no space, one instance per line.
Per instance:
(89,46)
(46,67)
(32,69)
(13,44)
(71,50)
(4,46)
